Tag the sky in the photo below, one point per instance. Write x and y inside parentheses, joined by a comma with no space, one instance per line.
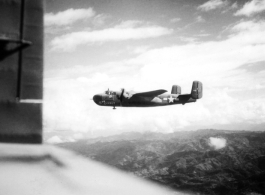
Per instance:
(144,45)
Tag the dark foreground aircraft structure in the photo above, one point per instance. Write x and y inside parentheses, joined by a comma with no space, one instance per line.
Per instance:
(27,166)
(150,98)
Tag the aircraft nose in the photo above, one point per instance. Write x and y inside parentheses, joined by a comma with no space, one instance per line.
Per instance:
(97,98)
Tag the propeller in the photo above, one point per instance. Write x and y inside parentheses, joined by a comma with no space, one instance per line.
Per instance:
(121,97)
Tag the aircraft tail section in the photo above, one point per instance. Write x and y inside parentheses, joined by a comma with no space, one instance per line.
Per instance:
(196,91)
(176,89)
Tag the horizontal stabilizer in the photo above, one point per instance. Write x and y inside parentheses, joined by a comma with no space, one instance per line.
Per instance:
(151,93)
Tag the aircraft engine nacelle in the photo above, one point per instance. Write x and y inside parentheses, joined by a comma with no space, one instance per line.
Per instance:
(196,91)
(176,89)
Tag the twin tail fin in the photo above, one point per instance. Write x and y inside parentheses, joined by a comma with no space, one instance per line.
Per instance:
(196,91)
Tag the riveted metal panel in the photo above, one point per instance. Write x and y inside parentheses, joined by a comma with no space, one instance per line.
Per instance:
(10,12)
(20,122)
(32,64)
(10,18)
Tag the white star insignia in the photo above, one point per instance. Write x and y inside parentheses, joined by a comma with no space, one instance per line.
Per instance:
(170,99)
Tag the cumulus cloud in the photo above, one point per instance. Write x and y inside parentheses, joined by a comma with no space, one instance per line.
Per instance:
(69,108)
(246,44)
(212,5)
(249,33)
(211,62)
(59,139)
(214,63)
(68,16)
(54,140)
(217,143)
(252,7)
(128,30)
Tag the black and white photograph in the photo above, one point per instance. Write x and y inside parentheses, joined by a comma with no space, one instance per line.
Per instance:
(132,97)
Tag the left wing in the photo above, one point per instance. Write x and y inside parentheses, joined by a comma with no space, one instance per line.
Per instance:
(150,93)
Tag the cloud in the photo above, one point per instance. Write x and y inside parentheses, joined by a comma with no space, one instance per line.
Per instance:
(175,20)
(99,19)
(212,5)
(203,35)
(128,30)
(249,32)
(245,44)
(68,17)
(234,5)
(200,19)
(67,104)
(231,7)
(212,63)
(217,143)
(60,139)
(188,39)
(140,49)
(254,67)
(54,140)
(252,7)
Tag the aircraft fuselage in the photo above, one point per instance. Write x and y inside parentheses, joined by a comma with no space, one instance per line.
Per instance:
(149,99)
(160,100)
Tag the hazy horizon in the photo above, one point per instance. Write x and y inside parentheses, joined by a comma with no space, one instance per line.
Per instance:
(57,137)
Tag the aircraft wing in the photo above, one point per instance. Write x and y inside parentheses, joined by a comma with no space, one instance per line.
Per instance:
(26,168)
(150,93)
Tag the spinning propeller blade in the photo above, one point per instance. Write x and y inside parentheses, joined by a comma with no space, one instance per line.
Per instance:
(121,97)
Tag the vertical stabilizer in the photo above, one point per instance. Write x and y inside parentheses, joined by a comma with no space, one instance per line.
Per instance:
(196,91)
(176,89)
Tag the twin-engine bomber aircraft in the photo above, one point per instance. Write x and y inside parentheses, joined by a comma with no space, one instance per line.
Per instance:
(149,99)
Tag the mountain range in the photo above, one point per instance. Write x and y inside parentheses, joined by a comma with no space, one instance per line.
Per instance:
(202,162)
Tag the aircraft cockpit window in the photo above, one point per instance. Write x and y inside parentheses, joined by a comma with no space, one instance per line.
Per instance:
(110,93)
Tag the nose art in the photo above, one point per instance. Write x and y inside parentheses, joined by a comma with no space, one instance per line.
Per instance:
(97,98)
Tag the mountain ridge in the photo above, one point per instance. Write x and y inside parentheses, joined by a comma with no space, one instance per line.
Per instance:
(186,160)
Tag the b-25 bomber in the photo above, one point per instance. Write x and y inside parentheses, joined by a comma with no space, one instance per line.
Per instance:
(149,99)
